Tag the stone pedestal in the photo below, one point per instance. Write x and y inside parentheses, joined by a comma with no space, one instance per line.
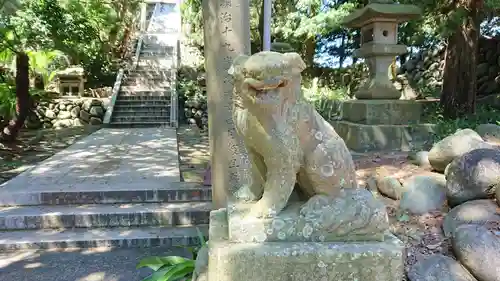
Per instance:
(306,261)
(383,125)
(300,260)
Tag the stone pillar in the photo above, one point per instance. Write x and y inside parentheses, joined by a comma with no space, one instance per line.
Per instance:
(227,35)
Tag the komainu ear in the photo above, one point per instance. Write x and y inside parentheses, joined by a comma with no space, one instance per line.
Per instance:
(236,68)
(295,61)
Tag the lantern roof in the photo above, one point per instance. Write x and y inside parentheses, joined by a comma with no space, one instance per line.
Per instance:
(377,12)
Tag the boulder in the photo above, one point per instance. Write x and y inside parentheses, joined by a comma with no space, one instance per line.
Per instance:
(95,121)
(497,195)
(64,123)
(390,187)
(382,182)
(64,115)
(478,212)
(447,149)
(87,104)
(85,116)
(489,132)
(478,249)
(75,111)
(439,268)
(474,175)
(50,113)
(96,111)
(420,158)
(423,194)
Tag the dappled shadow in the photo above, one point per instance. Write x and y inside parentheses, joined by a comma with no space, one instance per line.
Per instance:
(194,153)
(103,215)
(37,145)
(79,265)
(106,159)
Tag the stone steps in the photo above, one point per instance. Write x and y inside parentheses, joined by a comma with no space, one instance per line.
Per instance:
(148,84)
(139,124)
(152,74)
(148,66)
(153,62)
(142,88)
(142,103)
(144,111)
(144,98)
(104,215)
(96,194)
(163,52)
(146,93)
(147,78)
(124,215)
(141,119)
(81,238)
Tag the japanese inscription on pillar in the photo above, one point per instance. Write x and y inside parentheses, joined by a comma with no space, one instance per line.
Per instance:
(227,35)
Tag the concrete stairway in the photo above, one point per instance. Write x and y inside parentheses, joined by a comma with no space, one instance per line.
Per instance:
(147,93)
(116,188)
(145,96)
(89,219)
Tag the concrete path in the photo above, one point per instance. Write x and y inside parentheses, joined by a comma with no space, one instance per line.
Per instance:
(82,265)
(102,204)
(109,159)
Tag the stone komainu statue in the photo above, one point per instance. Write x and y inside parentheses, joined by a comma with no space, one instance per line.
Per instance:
(287,140)
(291,147)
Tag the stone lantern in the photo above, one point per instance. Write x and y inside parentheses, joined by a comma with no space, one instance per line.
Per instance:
(378,120)
(378,22)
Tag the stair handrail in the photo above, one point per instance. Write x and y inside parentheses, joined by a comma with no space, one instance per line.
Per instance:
(118,82)
(114,95)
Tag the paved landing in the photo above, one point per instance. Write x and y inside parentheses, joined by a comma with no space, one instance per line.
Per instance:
(83,265)
(109,159)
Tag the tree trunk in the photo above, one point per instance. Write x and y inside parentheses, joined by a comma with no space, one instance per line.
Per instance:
(23,99)
(124,46)
(309,51)
(458,96)
(261,26)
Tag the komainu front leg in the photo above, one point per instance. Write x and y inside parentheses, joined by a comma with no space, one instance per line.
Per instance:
(280,182)
(254,191)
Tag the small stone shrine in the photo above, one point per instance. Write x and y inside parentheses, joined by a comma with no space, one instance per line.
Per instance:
(302,215)
(378,119)
(71,81)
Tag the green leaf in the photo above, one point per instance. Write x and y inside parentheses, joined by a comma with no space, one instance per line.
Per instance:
(201,237)
(155,263)
(178,271)
(173,273)
(149,278)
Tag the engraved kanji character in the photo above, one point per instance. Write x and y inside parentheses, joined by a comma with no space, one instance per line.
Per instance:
(225,4)
(226,17)
(226,29)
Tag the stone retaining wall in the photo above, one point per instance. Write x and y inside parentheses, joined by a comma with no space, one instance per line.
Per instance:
(426,67)
(63,113)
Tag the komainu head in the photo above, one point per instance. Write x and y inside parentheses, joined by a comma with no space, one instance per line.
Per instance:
(265,78)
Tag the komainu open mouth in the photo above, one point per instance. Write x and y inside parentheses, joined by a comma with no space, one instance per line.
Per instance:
(260,87)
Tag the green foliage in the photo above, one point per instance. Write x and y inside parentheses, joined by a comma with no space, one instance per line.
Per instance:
(46,64)
(7,101)
(444,127)
(172,268)
(42,63)
(89,33)
(168,268)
